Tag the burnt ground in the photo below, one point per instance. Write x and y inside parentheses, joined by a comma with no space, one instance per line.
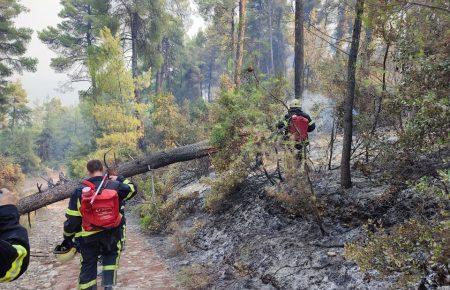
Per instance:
(254,244)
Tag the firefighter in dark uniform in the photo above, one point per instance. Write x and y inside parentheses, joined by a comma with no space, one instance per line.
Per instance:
(14,245)
(104,243)
(295,108)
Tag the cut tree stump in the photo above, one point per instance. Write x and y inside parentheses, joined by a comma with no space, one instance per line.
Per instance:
(131,168)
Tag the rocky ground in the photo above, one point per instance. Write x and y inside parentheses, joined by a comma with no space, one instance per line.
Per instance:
(253,244)
(140,266)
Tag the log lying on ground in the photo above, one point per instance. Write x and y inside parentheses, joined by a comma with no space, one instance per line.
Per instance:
(127,169)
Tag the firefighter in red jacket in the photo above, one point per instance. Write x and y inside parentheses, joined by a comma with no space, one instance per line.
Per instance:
(14,245)
(96,241)
(296,126)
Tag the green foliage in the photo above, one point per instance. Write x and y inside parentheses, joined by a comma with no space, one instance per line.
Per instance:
(167,120)
(65,133)
(241,120)
(17,138)
(434,187)
(430,126)
(14,41)
(18,146)
(79,30)
(173,125)
(158,214)
(112,107)
(14,105)
(114,93)
(408,249)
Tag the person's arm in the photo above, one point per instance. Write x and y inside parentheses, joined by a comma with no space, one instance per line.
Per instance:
(311,123)
(127,189)
(14,245)
(72,225)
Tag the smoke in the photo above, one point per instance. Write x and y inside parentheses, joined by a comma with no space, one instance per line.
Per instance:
(320,108)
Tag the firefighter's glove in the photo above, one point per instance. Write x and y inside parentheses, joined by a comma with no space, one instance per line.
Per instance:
(67,244)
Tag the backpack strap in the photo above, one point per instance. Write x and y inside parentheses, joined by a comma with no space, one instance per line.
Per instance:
(89,184)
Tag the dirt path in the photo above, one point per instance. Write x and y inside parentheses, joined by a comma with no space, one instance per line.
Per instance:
(140,266)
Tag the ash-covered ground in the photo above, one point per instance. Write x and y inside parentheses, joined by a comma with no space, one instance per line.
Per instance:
(254,244)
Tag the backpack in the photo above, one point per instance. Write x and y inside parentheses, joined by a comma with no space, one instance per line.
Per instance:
(103,213)
(298,128)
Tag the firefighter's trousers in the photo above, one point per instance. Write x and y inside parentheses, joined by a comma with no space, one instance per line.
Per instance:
(108,247)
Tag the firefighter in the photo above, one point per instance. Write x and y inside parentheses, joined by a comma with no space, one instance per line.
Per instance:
(94,219)
(14,245)
(296,126)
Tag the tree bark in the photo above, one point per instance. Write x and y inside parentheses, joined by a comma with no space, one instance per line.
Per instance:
(346,181)
(127,169)
(134,54)
(379,100)
(272,65)
(210,73)
(299,54)
(339,31)
(332,139)
(233,35)
(240,43)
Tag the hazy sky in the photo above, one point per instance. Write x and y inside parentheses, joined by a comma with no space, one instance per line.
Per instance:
(45,83)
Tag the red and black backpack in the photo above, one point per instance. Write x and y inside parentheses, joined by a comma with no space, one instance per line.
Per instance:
(103,212)
(298,128)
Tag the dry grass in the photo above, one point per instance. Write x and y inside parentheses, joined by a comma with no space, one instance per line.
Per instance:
(196,277)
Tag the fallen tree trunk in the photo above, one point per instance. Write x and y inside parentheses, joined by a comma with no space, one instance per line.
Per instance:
(127,169)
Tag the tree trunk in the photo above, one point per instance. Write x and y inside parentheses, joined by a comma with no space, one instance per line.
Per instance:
(383,91)
(88,45)
(233,35)
(332,139)
(299,55)
(127,169)
(272,66)
(158,82)
(346,181)
(280,63)
(240,43)
(134,57)
(339,31)
(210,72)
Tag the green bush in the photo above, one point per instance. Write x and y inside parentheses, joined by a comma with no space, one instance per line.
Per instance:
(408,249)
(243,119)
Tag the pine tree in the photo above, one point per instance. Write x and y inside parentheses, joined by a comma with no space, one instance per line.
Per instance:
(18,113)
(76,34)
(120,127)
(13,43)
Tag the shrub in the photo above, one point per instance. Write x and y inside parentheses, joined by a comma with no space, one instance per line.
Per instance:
(408,249)
(196,277)
(242,120)
(157,215)
(10,174)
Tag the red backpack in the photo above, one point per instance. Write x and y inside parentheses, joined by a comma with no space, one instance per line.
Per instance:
(298,127)
(103,213)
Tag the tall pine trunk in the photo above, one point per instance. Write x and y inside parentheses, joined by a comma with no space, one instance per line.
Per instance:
(240,42)
(233,35)
(272,66)
(212,59)
(299,54)
(339,31)
(346,181)
(134,57)
(89,45)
